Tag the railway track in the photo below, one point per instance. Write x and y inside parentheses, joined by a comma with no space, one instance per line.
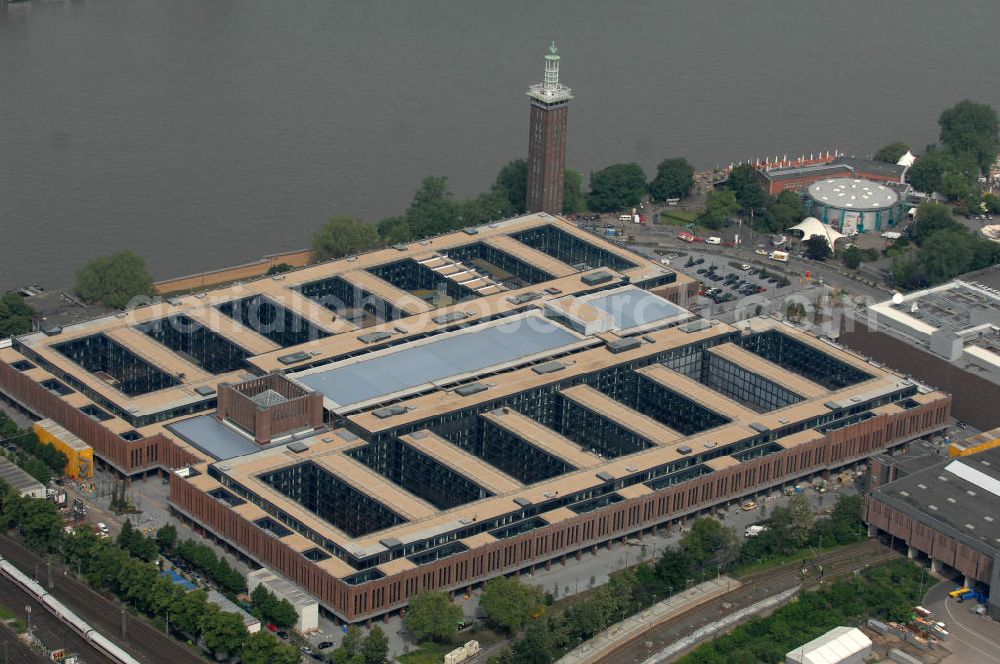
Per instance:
(755,587)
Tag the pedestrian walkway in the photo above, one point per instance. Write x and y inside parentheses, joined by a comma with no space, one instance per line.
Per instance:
(621,633)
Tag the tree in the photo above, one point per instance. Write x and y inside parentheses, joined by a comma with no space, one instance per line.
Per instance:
(968,128)
(39,522)
(929,172)
(15,315)
(709,541)
(617,187)
(279,268)
(743,182)
(801,517)
(221,631)
(818,248)
(674,179)
(851,257)
(784,212)
(573,198)
(892,152)
(264,648)
(114,280)
(432,616)
(375,647)
(931,218)
(166,537)
(536,647)
(510,604)
(720,205)
(433,210)
(512,182)
(343,235)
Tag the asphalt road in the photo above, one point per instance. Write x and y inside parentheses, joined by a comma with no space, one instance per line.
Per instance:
(144,642)
(973,638)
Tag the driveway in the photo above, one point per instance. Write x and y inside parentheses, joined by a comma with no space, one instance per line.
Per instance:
(973,638)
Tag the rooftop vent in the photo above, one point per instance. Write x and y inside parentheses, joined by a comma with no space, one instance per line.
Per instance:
(399,247)
(298,447)
(696,326)
(648,338)
(373,337)
(204,391)
(450,317)
(470,389)
(548,367)
(471,231)
(552,290)
(390,542)
(418,435)
(758,427)
(596,278)
(346,435)
(292,358)
(621,345)
(523,502)
(684,449)
(605,476)
(523,298)
(904,494)
(389,411)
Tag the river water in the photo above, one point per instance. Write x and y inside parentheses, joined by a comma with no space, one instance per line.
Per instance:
(202,133)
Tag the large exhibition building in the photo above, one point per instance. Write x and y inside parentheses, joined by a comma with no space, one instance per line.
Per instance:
(435,414)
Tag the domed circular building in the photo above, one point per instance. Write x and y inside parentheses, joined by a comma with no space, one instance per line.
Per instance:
(854,206)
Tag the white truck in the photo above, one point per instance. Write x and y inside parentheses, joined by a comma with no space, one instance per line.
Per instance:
(753,531)
(780,256)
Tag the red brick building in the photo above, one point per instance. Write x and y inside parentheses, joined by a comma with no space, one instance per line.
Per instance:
(547,139)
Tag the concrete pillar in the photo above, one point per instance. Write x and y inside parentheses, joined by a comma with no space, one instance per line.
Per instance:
(911,553)
(935,566)
(385,618)
(968,581)
(579,555)
(593,549)
(872,531)
(548,565)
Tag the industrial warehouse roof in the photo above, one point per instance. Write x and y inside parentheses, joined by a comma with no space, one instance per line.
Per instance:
(852,194)
(959,497)
(214,438)
(445,356)
(17,478)
(632,307)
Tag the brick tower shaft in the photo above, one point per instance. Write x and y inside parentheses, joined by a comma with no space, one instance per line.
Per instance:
(547,139)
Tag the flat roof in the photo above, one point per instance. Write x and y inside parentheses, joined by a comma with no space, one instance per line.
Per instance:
(446,356)
(17,478)
(959,497)
(216,439)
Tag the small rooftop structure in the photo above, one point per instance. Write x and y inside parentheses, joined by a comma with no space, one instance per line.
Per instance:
(251,624)
(25,484)
(841,645)
(306,606)
(215,438)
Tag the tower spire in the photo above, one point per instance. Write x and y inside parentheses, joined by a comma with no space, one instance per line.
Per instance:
(547,138)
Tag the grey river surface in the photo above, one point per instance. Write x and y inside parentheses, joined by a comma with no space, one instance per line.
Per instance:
(202,133)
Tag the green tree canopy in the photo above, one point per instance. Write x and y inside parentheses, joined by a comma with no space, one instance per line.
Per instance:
(433,616)
(343,235)
(512,182)
(892,152)
(537,646)
(510,603)
(114,280)
(743,182)
(264,648)
(617,187)
(221,631)
(784,212)
(818,248)
(375,648)
(720,205)
(573,198)
(931,218)
(166,536)
(674,179)
(945,172)
(15,315)
(433,210)
(851,257)
(969,128)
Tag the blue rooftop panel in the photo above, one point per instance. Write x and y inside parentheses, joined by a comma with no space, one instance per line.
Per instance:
(634,307)
(469,351)
(213,437)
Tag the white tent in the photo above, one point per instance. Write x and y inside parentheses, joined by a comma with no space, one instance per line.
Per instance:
(811,226)
(907,159)
(841,645)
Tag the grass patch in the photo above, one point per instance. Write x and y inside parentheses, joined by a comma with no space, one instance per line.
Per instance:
(5,613)
(677,217)
(426,653)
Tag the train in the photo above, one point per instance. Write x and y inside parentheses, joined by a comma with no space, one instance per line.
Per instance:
(101,643)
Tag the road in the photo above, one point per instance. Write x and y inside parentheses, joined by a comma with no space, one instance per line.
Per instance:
(973,638)
(755,588)
(144,642)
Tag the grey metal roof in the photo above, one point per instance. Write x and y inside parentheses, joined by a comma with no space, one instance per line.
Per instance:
(634,307)
(411,365)
(949,504)
(221,601)
(17,478)
(213,437)
(882,168)
(853,194)
(779,174)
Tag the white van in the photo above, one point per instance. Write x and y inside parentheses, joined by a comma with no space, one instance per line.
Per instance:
(781,256)
(713,240)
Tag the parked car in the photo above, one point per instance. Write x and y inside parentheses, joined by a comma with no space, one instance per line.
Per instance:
(748,505)
(701,270)
(962,424)
(282,635)
(323,645)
